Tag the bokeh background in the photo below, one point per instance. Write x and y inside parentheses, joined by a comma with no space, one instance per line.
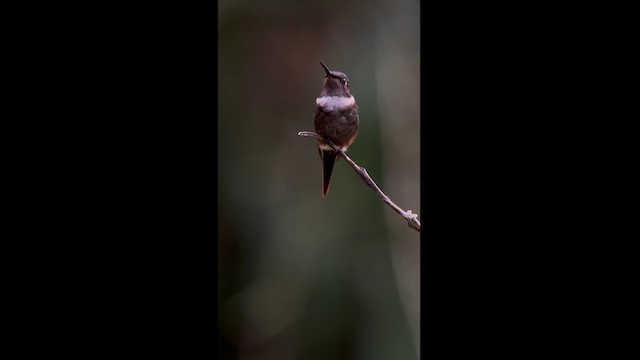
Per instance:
(301,276)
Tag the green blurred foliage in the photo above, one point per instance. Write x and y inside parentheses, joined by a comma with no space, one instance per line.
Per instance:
(300,276)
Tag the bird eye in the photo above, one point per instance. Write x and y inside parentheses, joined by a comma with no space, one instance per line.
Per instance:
(344,81)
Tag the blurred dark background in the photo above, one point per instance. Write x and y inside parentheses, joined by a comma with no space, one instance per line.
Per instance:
(115,227)
(301,276)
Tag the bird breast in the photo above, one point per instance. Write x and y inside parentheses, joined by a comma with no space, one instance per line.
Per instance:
(333,103)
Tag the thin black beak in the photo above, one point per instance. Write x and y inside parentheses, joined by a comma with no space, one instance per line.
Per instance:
(325,68)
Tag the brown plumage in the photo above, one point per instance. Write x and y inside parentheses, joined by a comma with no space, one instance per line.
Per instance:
(336,118)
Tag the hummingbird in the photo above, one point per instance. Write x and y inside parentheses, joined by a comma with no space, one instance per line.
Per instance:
(336,118)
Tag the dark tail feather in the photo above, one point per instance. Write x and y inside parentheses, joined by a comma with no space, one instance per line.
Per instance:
(329,158)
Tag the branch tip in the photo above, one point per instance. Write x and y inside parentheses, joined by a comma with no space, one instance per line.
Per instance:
(409,216)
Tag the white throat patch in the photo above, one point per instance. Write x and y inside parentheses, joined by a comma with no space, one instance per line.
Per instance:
(332,103)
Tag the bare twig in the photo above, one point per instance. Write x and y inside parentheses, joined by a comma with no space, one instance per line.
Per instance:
(411,218)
